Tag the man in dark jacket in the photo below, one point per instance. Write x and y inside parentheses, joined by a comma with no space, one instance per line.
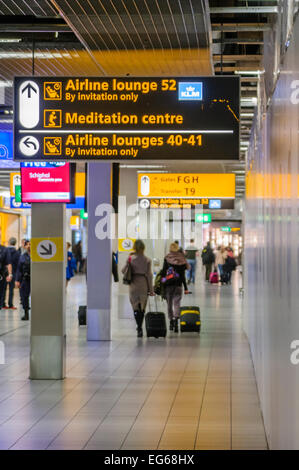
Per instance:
(5,272)
(23,279)
(14,256)
(208,258)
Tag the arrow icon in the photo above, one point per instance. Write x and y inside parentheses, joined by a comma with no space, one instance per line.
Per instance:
(29,142)
(28,88)
(48,250)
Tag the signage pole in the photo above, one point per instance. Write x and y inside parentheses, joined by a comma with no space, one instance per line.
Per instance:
(99,258)
(48,338)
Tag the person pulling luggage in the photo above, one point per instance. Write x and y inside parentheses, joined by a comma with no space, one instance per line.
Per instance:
(23,279)
(208,259)
(141,282)
(229,265)
(173,277)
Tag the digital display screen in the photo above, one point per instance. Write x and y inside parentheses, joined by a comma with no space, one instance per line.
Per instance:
(46,182)
(6,150)
(215,204)
(126,118)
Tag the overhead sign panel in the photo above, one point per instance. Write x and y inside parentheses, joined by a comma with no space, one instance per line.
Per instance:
(163,190)
(205,185)
(126,118)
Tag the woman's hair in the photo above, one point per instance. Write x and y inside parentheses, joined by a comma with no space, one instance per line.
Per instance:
(174,247)
(139,247)
(68,244)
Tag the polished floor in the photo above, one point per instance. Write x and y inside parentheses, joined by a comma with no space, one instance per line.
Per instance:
(185,392)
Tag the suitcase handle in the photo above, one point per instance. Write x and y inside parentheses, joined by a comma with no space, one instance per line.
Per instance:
(156,303)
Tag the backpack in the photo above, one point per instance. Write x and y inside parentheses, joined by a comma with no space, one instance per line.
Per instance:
(171,276)
(230,264)
(207,256)
(158,283)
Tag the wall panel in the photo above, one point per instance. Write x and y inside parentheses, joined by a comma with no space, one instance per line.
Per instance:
(271,314)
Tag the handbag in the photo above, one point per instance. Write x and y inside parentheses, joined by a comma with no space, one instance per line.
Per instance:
(127,279)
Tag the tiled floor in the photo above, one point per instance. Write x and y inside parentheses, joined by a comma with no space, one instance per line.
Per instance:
(185,392)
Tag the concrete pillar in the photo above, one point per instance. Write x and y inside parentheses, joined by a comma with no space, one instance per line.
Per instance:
(48,338)
(127,188)
(99,258)
(68,235)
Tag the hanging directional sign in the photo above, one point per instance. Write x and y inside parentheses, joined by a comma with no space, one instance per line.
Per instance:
(164,190)
(125,244)
(47,249)
(126,118)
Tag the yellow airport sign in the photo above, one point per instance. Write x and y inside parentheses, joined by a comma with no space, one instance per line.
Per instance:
(126,244)
(47,249)
(80,184)
(75,222)
(186,185)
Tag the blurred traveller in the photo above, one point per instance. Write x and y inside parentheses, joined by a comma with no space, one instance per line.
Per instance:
(191,254)
(5,272)
(77,251)
(208,259)
(173,277)
(230,264)
(141,284)
(22,250)
(69,264)
(221,255)
(23,279)
(14,257)
(178,244)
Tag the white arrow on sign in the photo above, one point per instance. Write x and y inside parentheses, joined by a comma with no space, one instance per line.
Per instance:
(46,249)
(145,185)
(29,104)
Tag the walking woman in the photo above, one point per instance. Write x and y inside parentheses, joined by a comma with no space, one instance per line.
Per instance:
(220,260)
(141,282)
(173,277)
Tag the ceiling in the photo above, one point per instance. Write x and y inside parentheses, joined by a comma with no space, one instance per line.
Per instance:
(137,37)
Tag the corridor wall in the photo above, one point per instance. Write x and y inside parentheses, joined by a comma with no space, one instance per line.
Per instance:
(271,274)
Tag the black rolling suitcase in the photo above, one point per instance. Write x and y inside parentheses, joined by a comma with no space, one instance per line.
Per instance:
(155,323)
(190,319)
(224,277)
(82,315)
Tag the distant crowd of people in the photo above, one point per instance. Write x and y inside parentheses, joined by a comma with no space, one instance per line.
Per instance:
(220,264)
(15,272)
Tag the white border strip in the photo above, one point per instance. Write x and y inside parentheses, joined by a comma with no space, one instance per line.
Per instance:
(95,131)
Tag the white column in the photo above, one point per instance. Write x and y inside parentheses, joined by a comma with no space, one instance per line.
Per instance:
(99,258)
